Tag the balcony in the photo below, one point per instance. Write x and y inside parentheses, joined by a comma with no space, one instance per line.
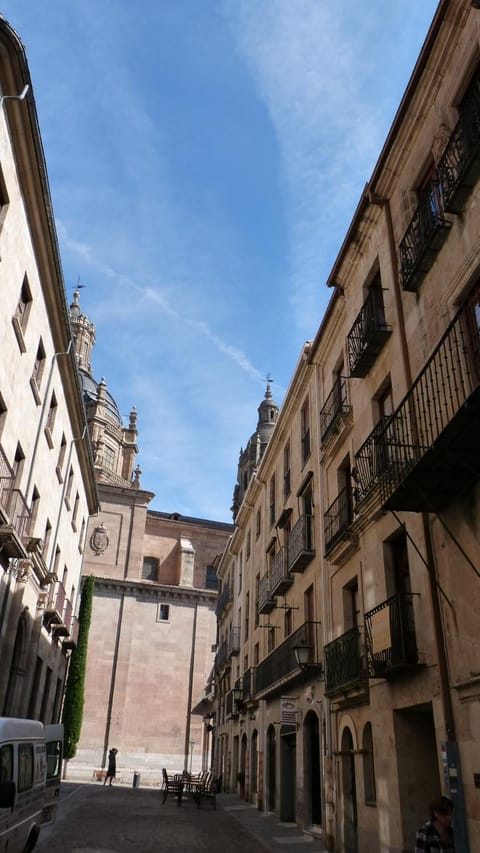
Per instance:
(221,657)
(231,710)
(424,237)
(248,686)
(337,519)
(427,453)
(345,664)
(234,642)
(280,578)
(459,168)
(368,334)
(15,515)
(300,546)
(335,409)
(281,667)
(265,601)
(71,640)
(223,600)
(55,607)
(391,641)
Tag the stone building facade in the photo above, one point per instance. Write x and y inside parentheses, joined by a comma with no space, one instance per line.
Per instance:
(388,392)
(153,621)
(47,480)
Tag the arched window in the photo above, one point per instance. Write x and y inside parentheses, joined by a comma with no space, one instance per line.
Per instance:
(368,766)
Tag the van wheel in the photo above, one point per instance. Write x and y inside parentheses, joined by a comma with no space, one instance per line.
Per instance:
(32,840)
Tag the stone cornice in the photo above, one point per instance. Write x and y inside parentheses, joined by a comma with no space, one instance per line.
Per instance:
(138,589)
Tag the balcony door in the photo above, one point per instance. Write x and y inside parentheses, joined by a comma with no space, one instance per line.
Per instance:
(403,629)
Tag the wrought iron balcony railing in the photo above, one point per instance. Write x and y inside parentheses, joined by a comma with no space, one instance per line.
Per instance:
(300,544)
(280,579)
(368,334)
(337,519)
(335,407)
(223,600)
(281,666)
(390,634)
(345,663)
(15,517)
(424,236)
(459,167)
(428,452)
(231,709)
(248,685)
(221,657)
(55,607)
(265,601)
(234,642)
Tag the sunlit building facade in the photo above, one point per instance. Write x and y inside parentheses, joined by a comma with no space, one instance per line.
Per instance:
(392,382)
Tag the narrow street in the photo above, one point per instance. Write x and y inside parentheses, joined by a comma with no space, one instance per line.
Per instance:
(129,820)
(96,819)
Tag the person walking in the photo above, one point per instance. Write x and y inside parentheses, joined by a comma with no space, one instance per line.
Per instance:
(437,833)
(112,766)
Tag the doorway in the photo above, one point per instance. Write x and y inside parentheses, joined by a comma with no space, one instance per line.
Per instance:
(349,790)
(288,761)
(312,773)
(271,769)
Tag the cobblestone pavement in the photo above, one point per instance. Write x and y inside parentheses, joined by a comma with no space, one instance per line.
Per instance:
(96,819)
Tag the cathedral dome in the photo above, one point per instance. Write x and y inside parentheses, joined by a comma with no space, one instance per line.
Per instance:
(91,395)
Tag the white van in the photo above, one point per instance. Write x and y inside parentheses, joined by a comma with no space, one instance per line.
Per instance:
(30,773)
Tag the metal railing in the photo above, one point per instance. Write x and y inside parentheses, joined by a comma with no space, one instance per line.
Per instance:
(223,599)
(300,544)
(460,163)
(390,634)
(337,518)
(448,379)
(55,606)
(234,642)
(368,333)
(221,657)
(424,236)
(335,407)
(248,684)
(280,578)
(345,661)
(272,672)
(265,599)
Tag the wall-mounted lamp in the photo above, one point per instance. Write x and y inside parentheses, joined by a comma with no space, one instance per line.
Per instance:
(237,694)
(302,654)
(19,97)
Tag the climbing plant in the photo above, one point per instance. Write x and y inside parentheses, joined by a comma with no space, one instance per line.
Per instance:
(74,694)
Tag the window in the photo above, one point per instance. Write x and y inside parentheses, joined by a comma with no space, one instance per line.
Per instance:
(247,616)
(56,561)
(211,580)
(69,488)
(3,199)
(81,537)
(52,413)
(6,763)
(46,537)
(18,465)
(25,766)
(75,512)
(34,508)
(37,372)
(256,654)
(288,626)
(258,523)
(22,311)
(271,638)
(305,430)
(163,613)
(351,605)
(257,586)
(61,459)
(249,544)
(272,500)
(240,572)
(150,568)
(368,766)
(286,470)
(108,458)
(3,414)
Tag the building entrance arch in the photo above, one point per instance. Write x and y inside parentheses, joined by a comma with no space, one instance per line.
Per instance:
(254,766)
(17,670)
(288,761)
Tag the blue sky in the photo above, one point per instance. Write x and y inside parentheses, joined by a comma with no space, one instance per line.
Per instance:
(205,158)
